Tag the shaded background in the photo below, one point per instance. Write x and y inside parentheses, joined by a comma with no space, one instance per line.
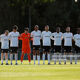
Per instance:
(30,12)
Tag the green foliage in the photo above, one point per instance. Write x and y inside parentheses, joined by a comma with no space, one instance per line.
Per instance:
(52,12)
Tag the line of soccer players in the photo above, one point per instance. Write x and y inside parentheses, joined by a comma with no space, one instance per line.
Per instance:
(36,36)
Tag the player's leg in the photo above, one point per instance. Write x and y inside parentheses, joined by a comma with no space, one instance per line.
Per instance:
(71,57)
(29,58)
(55,54)
(48,58)
(44,52)
(11,55)
(38,55)
(2,58)
(65,53)
(70,53)
(6,58)
(48,53)
(22,57)
(16,57)
(60,51)
(34,54)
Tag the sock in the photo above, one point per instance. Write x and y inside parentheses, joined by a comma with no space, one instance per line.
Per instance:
(1,61)
(64,58)
(6,60)
(29,58)
(22,56)
(70,58)
(55,58)
(16,57)
(76,59)
(11,57)
(48,58)
(43,58)
(34,58)
(59,57)
(38,57)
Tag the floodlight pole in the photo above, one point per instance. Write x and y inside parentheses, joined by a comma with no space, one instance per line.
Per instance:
(29,19)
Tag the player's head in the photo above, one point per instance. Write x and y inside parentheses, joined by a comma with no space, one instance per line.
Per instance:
(58,29)
(36,27)
(46,28)
(15,28)
(26,30)
(68,29)
(6,32)
(78,30)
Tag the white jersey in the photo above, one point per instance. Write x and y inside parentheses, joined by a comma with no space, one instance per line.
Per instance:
(46,38)
(77,39)
(36,35)
(57,38)
(68,39)
(13,39)
(4,41)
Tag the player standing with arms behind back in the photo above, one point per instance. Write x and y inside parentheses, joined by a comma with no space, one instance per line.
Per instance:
(4,38)
(57,37)
(14,43)
(68,36)
(77,44)
(46,38)
(25,37)
(36,35)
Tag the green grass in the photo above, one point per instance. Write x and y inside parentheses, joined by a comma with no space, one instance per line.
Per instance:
(40,72)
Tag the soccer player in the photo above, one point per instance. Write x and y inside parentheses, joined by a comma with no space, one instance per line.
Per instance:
(14,43)
(4,38)
(25,37)
(77,43)
(68,37)
(36,35)
(46,43)
(57,37)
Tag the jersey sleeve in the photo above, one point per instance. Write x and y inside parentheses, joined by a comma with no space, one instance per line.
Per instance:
(32,34)
(20,37)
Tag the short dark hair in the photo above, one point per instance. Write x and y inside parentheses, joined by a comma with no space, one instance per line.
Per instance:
(15,27)
(27,29)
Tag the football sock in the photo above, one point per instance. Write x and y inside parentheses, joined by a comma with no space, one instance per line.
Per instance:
(11,57)
(29,58)
(22,56)
(34,58)
(38,57)
(1,61)
(6,60)
(16,57)
(70,58)
(48,58)
(64,58)
(43,58)
(55,58)
(75,59)
(59,57)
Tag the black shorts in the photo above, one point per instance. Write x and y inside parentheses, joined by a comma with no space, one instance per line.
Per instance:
(46,48)
(77,49)
(14,49)
(57,49)
(36,47)
(4,50)
(67,49)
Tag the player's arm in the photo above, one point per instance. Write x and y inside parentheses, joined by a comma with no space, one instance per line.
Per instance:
(52,36)
(20,37)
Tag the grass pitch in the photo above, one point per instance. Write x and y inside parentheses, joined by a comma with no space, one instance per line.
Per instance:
(40,72)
